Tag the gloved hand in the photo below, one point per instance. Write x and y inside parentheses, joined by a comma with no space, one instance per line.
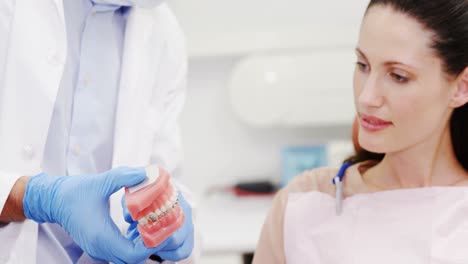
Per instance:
(176,247)
(80,204)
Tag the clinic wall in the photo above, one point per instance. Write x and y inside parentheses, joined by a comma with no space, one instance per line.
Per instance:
(218,27)
(219,148)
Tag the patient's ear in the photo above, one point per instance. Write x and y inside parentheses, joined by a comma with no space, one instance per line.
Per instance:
(460,96)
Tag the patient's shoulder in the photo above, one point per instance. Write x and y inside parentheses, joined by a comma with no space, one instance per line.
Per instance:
(319,179)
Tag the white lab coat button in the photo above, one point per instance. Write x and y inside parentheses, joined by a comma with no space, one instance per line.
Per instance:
(76,150)
(28,152)
(85,82)
(54,60)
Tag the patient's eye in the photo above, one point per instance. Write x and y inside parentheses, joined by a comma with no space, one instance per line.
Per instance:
(399,76)
(363,67)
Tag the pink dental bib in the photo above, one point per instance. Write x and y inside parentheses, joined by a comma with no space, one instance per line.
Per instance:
(409,226)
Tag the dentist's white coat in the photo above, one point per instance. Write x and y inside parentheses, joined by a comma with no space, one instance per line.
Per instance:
(33,46)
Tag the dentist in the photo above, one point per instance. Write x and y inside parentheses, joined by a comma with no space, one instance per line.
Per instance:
(90,93)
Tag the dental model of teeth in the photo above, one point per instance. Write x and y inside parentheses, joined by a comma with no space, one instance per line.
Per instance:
(155,206)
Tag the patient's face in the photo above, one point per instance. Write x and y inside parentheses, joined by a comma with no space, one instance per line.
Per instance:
(400,80)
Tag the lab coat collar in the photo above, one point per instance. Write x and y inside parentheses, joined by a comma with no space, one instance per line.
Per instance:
(60,10)
(140,59)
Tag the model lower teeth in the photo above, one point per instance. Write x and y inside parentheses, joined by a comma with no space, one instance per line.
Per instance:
(155,207)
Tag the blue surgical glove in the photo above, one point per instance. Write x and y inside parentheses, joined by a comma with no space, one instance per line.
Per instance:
(177,247)
(80,204)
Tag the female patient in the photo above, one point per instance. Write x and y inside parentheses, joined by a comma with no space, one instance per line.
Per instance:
(405,197)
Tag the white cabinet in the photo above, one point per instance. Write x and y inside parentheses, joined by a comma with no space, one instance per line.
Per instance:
(295,89)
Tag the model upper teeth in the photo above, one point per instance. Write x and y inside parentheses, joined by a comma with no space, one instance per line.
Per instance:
(143,221)
(152,216)
(161,211)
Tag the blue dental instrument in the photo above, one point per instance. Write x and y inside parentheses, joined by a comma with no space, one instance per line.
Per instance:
(338,181)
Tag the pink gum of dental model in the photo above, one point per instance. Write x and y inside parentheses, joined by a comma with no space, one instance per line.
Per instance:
(156,209)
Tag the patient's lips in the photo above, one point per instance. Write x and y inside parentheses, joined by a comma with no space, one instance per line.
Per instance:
(372,123)
(156,208)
